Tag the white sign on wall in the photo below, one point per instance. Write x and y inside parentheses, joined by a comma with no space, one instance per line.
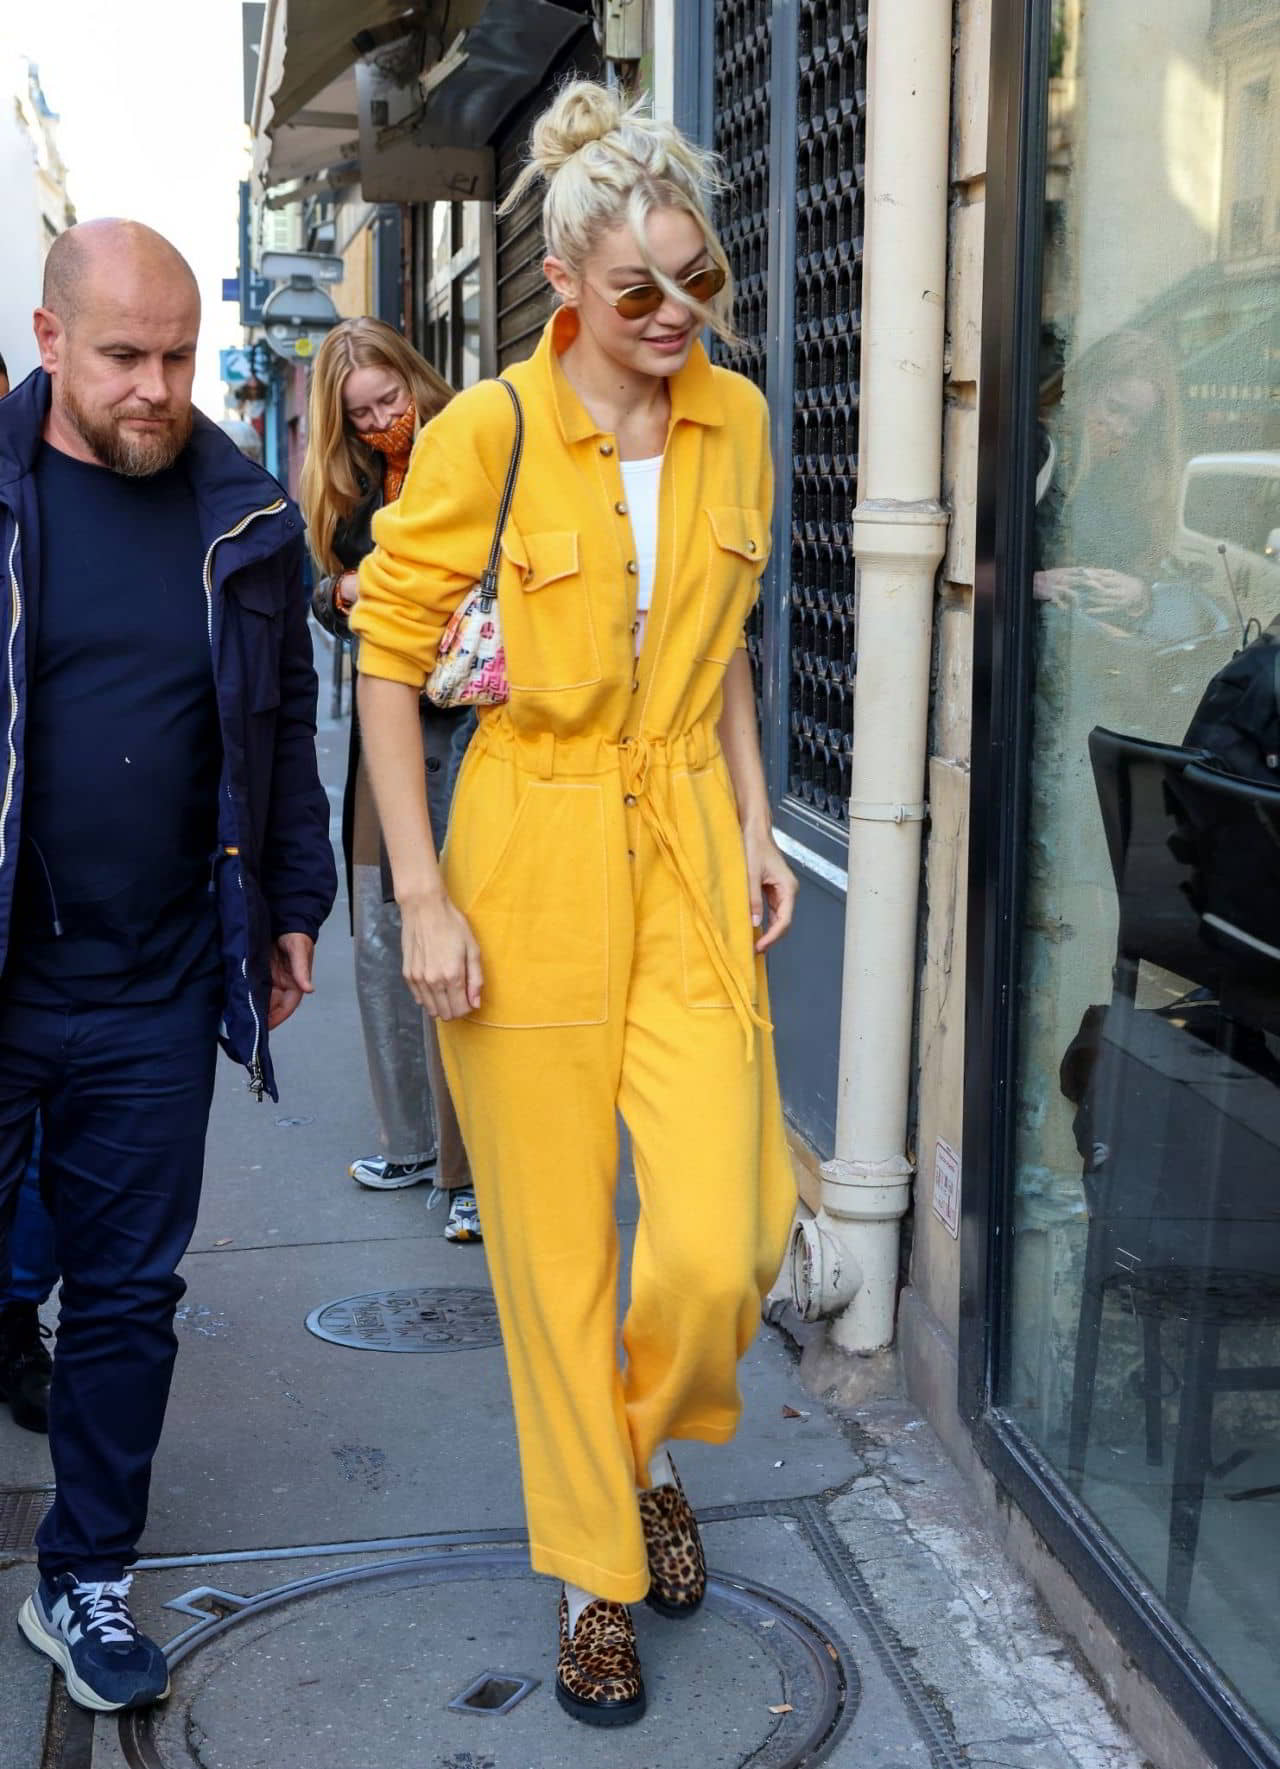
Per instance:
(946,1187)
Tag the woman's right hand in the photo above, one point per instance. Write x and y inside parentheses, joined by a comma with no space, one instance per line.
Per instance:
(349,589)
(441,958)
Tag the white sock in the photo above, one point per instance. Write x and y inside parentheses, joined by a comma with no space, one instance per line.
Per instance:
(661,1473)
(577,1599)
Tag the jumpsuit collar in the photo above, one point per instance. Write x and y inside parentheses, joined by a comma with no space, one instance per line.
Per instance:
(694,395)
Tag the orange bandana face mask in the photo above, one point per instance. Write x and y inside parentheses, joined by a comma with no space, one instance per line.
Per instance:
(395,443)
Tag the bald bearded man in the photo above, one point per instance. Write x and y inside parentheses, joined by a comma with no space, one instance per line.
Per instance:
(164,868)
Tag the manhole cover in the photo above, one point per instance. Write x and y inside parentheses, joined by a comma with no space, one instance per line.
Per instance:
(375,1654)
(410,1320)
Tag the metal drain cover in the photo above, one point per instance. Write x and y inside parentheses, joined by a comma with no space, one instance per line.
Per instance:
(368,1659)
(410,1320)
(22,1511)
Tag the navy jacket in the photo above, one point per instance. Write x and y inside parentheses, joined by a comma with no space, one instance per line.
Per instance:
(273,869)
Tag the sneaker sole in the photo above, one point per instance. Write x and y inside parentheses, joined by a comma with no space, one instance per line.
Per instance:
(622,1713)
(55,1647)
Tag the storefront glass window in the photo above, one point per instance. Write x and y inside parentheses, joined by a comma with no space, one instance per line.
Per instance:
(1142,1350)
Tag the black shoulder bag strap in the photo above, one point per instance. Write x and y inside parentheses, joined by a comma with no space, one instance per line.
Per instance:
(489,583)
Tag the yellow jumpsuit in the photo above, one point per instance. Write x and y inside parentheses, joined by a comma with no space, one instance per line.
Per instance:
(595,850)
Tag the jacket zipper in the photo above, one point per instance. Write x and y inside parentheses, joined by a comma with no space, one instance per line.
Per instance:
(257,1082)
(15,622)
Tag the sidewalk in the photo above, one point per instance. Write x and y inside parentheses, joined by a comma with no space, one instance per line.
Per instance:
(335,1539)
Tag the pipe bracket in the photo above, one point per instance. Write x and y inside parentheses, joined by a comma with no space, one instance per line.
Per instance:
(868,811)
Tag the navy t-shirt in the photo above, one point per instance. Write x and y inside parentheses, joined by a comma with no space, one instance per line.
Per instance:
(123,751)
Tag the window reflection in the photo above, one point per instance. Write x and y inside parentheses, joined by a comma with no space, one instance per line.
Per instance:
(1143,1350)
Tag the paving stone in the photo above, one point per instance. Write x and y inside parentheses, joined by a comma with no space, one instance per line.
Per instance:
(24,1679)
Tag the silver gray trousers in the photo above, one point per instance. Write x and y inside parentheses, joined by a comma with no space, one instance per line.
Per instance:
(410,1094)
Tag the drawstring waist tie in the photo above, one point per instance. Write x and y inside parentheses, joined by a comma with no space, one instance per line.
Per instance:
(642,764)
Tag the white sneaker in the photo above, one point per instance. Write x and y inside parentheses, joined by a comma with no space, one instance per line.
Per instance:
(464,1216)
(381,1175)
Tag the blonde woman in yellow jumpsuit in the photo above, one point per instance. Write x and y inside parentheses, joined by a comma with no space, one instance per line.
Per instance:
(591,939)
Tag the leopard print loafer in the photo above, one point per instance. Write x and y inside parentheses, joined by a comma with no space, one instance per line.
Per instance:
(598,1677)
(677,1566)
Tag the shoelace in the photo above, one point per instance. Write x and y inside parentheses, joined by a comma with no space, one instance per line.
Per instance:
(34,1351)
(105,1611)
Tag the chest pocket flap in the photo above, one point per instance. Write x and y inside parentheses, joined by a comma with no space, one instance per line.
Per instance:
(551,557)
(550,638)
(740,531)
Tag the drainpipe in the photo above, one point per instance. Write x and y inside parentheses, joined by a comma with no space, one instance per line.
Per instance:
(844,1262)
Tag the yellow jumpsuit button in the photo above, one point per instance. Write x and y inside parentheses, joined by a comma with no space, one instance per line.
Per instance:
(606,448)
(635,687)
(751,546)
(632,568)
(621,509)
(629,799)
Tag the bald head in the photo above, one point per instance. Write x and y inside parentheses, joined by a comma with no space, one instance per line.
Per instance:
(117,331)
(109,251)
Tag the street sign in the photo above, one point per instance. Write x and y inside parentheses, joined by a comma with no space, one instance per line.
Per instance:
(295,319)
(253,288)
(317,267)
(235,366)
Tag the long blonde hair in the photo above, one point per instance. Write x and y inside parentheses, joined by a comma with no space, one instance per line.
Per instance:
(336,459)
(605,162)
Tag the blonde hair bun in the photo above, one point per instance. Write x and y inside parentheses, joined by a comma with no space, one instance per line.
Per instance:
(581,114)
(606,160)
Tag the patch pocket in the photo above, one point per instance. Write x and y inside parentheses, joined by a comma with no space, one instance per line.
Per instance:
(547,625)
(737,549)
(260,623)
(541,912)
(707,822)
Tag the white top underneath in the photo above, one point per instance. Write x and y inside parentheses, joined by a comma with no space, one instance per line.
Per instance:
(641,481)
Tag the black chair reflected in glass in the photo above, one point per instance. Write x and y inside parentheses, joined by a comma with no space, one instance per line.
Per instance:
(1179,1117)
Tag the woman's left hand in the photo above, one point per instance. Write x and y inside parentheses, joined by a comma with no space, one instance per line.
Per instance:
(771,882)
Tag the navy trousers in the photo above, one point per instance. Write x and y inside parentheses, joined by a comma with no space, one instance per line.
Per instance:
(33,1262)
(123,1094)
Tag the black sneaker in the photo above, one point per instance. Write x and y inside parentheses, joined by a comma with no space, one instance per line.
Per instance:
(88,1632)
(26,1369)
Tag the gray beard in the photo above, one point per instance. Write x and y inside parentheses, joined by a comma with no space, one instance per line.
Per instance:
(133,457)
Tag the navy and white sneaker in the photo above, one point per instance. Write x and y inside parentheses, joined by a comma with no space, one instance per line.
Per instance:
(377,1174)
(86,1629)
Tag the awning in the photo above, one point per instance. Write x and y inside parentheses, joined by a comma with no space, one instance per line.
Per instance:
(304,111)
(430,138)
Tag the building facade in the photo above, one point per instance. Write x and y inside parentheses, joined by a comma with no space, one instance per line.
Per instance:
(1006,270)
(37,208)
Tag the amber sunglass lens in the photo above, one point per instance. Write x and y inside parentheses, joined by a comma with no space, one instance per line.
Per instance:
(637,302)
(703,284)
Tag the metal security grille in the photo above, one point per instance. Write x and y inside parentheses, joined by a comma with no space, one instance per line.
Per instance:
(741,138)
(830,110)
(523,298)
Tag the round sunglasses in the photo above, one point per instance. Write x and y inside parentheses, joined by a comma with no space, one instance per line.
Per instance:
(642,299)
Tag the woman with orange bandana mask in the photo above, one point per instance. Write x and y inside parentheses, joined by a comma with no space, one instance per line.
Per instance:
(370,394)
